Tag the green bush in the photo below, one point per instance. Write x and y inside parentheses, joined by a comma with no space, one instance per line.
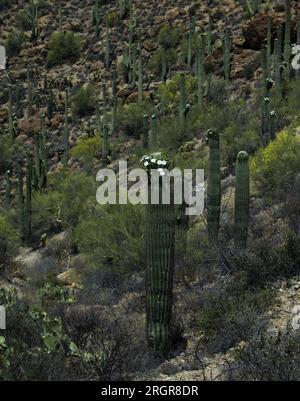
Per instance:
(113,236)
(155,63)
(130,119)
(274,167)
(86,149)
(168,36)
(14,43)
(63,47)
(9,239)
(23,21)
(71,201)
(84,101)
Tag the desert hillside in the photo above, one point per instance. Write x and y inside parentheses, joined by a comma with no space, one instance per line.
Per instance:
(144,292)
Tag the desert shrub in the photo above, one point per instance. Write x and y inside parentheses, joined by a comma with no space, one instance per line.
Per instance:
(63,47)
(86,149)
(232,314)
(112,18)
(155,63)
(273,168)
(268,358)
(23,21)
(170,93)
(84,101)
(168,36)
(113,236)
(130,119)
(14,43)
(71,201)
(5,4)
(9,239)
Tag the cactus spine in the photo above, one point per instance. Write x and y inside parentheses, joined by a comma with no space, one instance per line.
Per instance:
(160,239)
(241,209)
(214,186)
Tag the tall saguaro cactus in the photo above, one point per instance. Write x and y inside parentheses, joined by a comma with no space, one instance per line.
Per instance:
(66,131)
(160,242)
(182,105)
(154,132)
(28,197)
(214,186)
(241,205)
(8,189)
(21,203)
(10,115)
(287,39)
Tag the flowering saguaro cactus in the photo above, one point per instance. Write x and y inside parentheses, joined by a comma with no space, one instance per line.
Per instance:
(241,209)
(214,186)
(160,243)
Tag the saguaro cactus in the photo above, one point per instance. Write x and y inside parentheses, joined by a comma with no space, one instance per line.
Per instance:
(29,95)
(154,130)
(160,241)
(201,72)
(10,115)
(105,143)
(8,189)
(182,104)
(287,39)
(28,207)
(241,208)
(21,204)
(107,45)
(66,131)
(145,131)
(214,186)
